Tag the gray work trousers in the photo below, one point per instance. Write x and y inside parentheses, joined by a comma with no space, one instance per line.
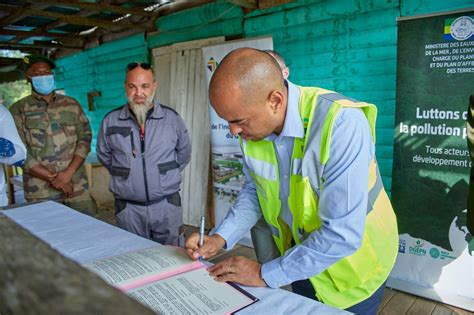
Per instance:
(263,243)
(161,222)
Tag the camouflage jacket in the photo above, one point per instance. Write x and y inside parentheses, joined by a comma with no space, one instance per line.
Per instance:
(53,133)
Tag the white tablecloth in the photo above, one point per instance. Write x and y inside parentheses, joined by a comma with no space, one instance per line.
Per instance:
(83,238)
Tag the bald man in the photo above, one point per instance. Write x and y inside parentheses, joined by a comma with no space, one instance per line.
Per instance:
(285,71)
(311,172)
(262,239)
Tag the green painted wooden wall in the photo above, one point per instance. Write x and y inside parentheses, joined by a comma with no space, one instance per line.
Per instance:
(100,69)
(214,19)
(348,46)
(342,45)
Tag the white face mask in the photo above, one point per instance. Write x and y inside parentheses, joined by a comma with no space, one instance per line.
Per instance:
(43,84)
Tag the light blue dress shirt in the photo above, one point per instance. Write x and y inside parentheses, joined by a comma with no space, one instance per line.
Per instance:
(342,202)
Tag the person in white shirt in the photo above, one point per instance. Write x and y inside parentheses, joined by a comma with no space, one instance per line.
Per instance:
(12,150)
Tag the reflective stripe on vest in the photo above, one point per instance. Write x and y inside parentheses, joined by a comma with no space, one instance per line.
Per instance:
(351,279)
(267,184)
(263,169)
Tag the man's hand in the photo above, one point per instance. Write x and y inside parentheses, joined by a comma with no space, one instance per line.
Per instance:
(61,179)
(68,190)
(212,244)
(50,177)
(238,269)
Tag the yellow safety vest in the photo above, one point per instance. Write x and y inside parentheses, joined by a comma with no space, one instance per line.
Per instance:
(353,278)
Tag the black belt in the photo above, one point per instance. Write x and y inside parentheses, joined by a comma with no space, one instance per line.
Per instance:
(174,199)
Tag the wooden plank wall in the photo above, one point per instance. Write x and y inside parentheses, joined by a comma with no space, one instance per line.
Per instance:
(348,46)
(214,19)
(100,69)
(343,45)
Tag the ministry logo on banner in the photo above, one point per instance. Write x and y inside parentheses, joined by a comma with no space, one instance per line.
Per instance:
(212,64)
(461,28)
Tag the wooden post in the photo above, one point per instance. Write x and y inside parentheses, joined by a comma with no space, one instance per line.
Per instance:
(90,99)
(11,187)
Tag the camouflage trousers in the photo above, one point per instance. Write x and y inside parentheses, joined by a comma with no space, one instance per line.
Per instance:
(82,202)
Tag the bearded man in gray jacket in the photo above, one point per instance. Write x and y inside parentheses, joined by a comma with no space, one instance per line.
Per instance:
(145,146)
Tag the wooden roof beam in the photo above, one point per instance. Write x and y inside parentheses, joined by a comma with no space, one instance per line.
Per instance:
(248,4)
(95,6)
(26,34)
(71,19)
(18,13)
(36,45)
(60,23)
(46,28)
(265,4)
(14,16)
(32,50)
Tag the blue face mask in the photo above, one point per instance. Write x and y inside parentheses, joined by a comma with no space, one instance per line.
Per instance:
(43,84)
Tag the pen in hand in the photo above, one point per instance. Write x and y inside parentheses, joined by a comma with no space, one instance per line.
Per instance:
(201,234)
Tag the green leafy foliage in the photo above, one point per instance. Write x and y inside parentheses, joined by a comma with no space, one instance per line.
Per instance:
(13,91)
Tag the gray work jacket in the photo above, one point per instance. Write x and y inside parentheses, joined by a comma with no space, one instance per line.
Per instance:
(144,168)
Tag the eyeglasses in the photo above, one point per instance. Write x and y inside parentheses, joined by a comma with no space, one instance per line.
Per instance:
(143,65)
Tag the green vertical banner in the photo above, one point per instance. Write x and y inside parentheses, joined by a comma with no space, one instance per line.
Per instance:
(435,76)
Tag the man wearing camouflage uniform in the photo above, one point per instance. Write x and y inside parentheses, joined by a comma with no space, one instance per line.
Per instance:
(145,146)
(57,135)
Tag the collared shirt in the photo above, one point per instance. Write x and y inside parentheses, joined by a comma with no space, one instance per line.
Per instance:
(342,203)
(16,151)
(53,133)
